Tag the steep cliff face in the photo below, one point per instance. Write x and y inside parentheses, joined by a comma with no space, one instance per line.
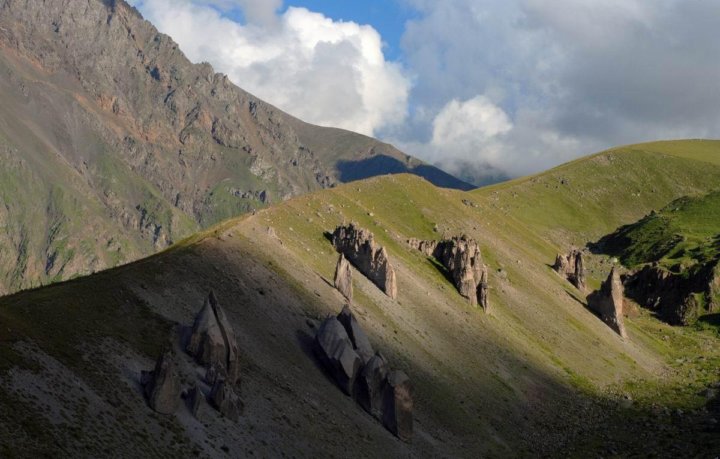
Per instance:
(114,145)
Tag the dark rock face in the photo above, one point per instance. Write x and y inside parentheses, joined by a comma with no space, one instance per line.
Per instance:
(572,268)
(357,336)
(213,342)
(225,400)
(608,302)
(713,289)
(343,277)
(463,261)
(398,405)
(162,386)
(196,403)
(371,383)
(385,394)
(670,295)
(371,259)
(335,351)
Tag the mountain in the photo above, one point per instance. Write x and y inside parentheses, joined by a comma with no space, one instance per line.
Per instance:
(538,374)
(113,145)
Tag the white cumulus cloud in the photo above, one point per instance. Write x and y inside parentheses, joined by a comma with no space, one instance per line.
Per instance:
(327,72)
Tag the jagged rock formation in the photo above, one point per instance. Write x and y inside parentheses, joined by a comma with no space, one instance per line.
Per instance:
(672,296)
(162,386)
(370,258)
(462,258)
(572,268)
(140,147)
(213,342)
(225,400)
(398,405)
(386,395)
(343,277)
(357,336)
(608,302)
(335,351)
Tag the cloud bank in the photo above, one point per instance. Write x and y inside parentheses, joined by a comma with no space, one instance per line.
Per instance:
(485,88)
(325,72)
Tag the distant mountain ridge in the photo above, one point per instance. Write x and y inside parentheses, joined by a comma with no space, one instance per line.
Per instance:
(114,145)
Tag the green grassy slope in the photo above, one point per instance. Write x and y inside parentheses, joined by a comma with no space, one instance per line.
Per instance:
(539,375)
(682,234)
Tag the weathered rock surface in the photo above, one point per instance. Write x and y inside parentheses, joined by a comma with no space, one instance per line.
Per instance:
(345,351)
(196,403)
(370,258)
(572,267)
(357,335)
(370,389)
(426,247)
(335,350)
(608,302)
(398,405)
(462,258)
(483,287)
(162,386)
(670,295)
(225,400)
(343,277)
(213,342)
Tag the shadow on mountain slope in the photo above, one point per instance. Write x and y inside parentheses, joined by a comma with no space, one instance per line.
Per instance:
(71,354)
(350,171)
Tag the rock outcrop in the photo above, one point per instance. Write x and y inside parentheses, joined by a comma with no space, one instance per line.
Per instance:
(398,405)
(162,386)
(462,258)
(371,384)
(608,302)
(343,277)
(225,400)
(213,342)
(335,351)
(426,247)
(359,247)
(357,335)
(344,350)
(572,267)
(196,403)
(483,288)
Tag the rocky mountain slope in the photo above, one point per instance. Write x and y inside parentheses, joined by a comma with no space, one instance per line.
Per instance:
(537,374)
(113,145)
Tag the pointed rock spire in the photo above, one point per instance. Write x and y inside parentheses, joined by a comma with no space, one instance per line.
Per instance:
(162,386)
(213,342)
(608,302)
(343,277)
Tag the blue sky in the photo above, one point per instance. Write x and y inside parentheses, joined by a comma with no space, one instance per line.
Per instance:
(481,88)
